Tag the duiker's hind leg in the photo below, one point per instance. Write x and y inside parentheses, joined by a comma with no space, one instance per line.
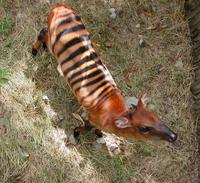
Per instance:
(41,40)
(88,126)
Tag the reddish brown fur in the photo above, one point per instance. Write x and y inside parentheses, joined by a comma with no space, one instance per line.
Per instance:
(104,114)
(114,108)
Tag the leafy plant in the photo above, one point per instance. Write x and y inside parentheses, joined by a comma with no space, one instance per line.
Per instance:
(6,24)
(3,77)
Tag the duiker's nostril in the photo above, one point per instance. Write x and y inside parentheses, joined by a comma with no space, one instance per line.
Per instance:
(172,137)
(167,133)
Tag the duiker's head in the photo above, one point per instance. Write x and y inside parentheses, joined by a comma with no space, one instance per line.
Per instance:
(144,124)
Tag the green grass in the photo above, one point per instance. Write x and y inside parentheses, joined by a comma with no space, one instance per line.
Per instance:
(3,77)
(34,142)
(6,24)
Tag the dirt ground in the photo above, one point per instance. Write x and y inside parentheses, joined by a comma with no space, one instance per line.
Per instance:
(34,133)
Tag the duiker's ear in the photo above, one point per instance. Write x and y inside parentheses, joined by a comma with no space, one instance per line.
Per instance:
(122,123)
(142,101)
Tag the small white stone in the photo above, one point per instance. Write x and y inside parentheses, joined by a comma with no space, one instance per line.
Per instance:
(113,147)
(131,101)
(61,117)
(142,42)
(112,142)
(179,64)
(45,99)
(101,140)
(113,14)
(137,26)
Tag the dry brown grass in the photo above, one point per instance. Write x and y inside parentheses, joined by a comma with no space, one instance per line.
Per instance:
(32,139)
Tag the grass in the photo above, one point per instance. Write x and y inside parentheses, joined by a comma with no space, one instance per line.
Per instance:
(6,25)
(34,141)
(3,77)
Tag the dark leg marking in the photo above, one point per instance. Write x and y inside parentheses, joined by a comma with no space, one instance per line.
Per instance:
(88,126)
(44,46)
(40,39)
(77,132)
(98,133)
(42,34)
(34,52)
(80,129)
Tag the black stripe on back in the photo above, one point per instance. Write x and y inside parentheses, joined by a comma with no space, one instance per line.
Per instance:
(92,82)
(80,62)
(67,31)
(72,43)
(69,20)
(93,74)
(76,53)
(103,91)
(90,67)
(103,95)
(95,89)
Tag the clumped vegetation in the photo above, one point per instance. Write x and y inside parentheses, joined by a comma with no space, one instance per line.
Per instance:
(145,45)
(6,25)
(3,77)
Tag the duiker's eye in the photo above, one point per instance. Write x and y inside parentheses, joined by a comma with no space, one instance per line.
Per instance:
(144,129)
